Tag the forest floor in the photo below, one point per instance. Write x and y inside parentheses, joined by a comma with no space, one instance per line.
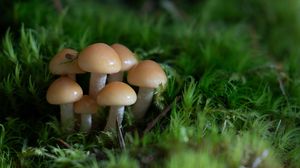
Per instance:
(232,97)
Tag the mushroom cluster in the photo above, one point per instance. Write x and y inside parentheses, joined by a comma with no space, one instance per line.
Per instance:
(106,65)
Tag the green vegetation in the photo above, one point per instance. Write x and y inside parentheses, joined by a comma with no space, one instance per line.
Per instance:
(233,67)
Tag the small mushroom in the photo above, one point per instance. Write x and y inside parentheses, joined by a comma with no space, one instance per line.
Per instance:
(117,95)
(64,92)
(128,60)
(148,75)
(86,106)
(99,59)
(65,63)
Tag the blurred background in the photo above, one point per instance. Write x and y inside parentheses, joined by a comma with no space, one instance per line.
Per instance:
(176,9)
(269,21)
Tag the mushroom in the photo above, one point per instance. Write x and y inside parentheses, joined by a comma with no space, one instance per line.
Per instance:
(117,95)
(148,75)
(64,92)
(99,59)
(65,63)
(128,60)
(86,106)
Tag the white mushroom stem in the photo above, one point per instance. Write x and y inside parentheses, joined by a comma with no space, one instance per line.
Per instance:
(97,82)
(144,99)
(114,113)
(86,122)
(72,76)
(116,77)
(67,117)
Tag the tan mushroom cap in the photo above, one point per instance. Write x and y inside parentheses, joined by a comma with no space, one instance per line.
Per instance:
(86,105)
(128,60)
(65,62)
(99,58)
(148,74)
(63,90)
(116,94)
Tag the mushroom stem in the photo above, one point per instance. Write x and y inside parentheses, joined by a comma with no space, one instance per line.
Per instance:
(144,99)
(114,113)
(97,82)
(72,76)
(116,77)
(86,122)
(67,117)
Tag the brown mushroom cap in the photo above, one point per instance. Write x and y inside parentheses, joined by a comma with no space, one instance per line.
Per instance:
(116,94)
(99,58)
(63,90)
(86,105)
(148,74)
(127,57)
(65,62)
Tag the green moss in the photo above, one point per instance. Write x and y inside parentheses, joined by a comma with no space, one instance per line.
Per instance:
(233,85)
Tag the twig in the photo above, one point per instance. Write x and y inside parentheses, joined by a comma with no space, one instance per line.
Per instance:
(64,143)
(280,74)
(281,86)
(120,135)
(170,7)
(160,116)
(261,67)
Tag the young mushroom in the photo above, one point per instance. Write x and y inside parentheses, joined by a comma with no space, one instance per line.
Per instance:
(86,106)
(148,75)
(99,59)
(65,63)
(64,92)
(117,95)
(128,60)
